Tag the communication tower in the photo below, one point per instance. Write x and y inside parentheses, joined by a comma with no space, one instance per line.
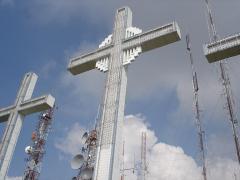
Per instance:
(37,150)
(197,111)
(225,82)
(85,161)
(143,163)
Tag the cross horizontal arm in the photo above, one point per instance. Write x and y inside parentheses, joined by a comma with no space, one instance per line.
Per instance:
(155,38)
(37,105)
(222,49)
(87,62)
(4,113)
(28,107)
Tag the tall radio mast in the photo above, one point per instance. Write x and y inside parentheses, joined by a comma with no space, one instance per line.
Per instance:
(197,111)
(225,82)
(37,150)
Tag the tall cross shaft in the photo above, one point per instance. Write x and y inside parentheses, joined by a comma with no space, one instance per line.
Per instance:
(113,55)
(14,116)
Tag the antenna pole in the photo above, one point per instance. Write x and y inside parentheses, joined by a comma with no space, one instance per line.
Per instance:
(197,111)
(122,176)
(143,156)
(37,151)
(226,85)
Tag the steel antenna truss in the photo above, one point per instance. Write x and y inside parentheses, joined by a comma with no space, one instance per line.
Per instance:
(37,150)
(144,156)
(226,83)
(197,111)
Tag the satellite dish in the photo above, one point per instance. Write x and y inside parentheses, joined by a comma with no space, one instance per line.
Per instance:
(84,137)
(28,150)
(87,173)
(77,161)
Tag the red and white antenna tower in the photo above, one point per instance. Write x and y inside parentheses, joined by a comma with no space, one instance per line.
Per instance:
(37,150)
(85,161)
(225,82)
(197,111)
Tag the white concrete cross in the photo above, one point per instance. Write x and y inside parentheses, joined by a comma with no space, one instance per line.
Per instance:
(114,54)
(14,116)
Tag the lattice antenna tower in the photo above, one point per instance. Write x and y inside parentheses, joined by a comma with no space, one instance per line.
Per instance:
(124,169)
(37,150)
(123,165)
(197,111)
(225,82)
(143,170)
(86,160)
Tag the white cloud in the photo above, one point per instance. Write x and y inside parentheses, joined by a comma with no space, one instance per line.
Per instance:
(71,144)
(45,71)
(165,162)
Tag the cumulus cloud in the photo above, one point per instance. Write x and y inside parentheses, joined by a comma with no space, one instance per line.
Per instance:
(164,161)
(71,144)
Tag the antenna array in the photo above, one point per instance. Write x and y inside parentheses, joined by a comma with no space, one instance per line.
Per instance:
(37,150)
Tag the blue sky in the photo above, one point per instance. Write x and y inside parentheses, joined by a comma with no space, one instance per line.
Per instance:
(41,36)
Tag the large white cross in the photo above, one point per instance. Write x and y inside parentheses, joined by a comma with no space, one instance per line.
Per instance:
(14,116)
(114,54)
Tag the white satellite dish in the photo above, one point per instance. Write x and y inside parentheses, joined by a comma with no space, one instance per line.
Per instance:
(87,173)
(28,150)
(77,161)
(84,137)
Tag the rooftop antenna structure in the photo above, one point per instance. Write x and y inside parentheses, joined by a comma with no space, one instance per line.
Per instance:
(37,150)
(143,165)
(197,110)
(212,56)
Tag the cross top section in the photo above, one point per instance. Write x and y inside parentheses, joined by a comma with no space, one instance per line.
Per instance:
(130,40)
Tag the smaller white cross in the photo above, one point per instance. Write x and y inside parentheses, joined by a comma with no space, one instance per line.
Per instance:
(14,116)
